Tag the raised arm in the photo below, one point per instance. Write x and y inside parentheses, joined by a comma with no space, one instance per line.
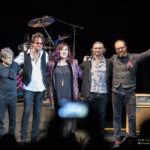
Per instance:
(20,59)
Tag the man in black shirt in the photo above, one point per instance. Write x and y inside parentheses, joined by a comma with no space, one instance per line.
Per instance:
(8,89)
(124,67)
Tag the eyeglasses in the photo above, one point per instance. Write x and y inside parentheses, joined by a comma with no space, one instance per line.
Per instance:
(39,43)
(119,48)
(98,48)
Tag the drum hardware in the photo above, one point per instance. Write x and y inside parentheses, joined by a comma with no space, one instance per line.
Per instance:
(61,38)
(48,20)
(27,38)
(48,47)
(42,22)
(74,31)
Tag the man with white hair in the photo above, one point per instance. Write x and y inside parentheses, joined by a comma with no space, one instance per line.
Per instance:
(8,89)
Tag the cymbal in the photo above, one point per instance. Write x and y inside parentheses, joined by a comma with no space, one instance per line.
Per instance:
(40,22)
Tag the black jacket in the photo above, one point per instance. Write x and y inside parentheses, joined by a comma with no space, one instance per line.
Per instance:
(27,70)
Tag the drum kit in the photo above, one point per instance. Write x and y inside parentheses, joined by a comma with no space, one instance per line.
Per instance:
(38,23)
(44,22)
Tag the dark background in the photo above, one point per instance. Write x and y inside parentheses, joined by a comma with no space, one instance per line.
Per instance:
(106,21)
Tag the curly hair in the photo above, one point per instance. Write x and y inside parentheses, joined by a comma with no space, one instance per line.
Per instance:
(37,35)
(5,52)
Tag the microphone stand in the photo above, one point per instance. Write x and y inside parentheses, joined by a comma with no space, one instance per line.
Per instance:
(74,33)
(48,37)
(49,53)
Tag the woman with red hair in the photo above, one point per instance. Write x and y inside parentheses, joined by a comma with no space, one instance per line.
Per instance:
(63,73)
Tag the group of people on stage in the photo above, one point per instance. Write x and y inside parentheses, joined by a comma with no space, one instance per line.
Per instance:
(102,78)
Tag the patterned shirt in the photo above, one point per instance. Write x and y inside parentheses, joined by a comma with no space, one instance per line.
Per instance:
(98,76)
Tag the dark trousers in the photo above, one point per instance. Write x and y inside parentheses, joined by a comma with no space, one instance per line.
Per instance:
(98,103)
(35,99)
(129,101)
(9,104)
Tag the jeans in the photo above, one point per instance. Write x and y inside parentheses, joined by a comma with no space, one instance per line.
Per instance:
(9,104)
(129,101)
(98,103)
(35,99)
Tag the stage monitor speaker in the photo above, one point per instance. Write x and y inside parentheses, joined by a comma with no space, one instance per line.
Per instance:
(142,111)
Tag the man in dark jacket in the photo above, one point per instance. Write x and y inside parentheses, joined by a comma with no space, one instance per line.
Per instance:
(124,67)
(94,87)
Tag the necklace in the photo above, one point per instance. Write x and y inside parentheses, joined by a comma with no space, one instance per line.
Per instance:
(62,70)
(62,63)
(36,56)
(63,74)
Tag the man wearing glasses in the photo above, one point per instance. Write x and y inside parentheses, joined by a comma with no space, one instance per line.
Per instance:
(124,67)
(35,61)
(94,87)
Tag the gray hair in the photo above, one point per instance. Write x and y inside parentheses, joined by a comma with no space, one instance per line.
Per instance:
(5,52)
(98,42)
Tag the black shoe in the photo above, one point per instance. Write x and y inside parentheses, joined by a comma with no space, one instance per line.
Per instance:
(34,140)
(22,143)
